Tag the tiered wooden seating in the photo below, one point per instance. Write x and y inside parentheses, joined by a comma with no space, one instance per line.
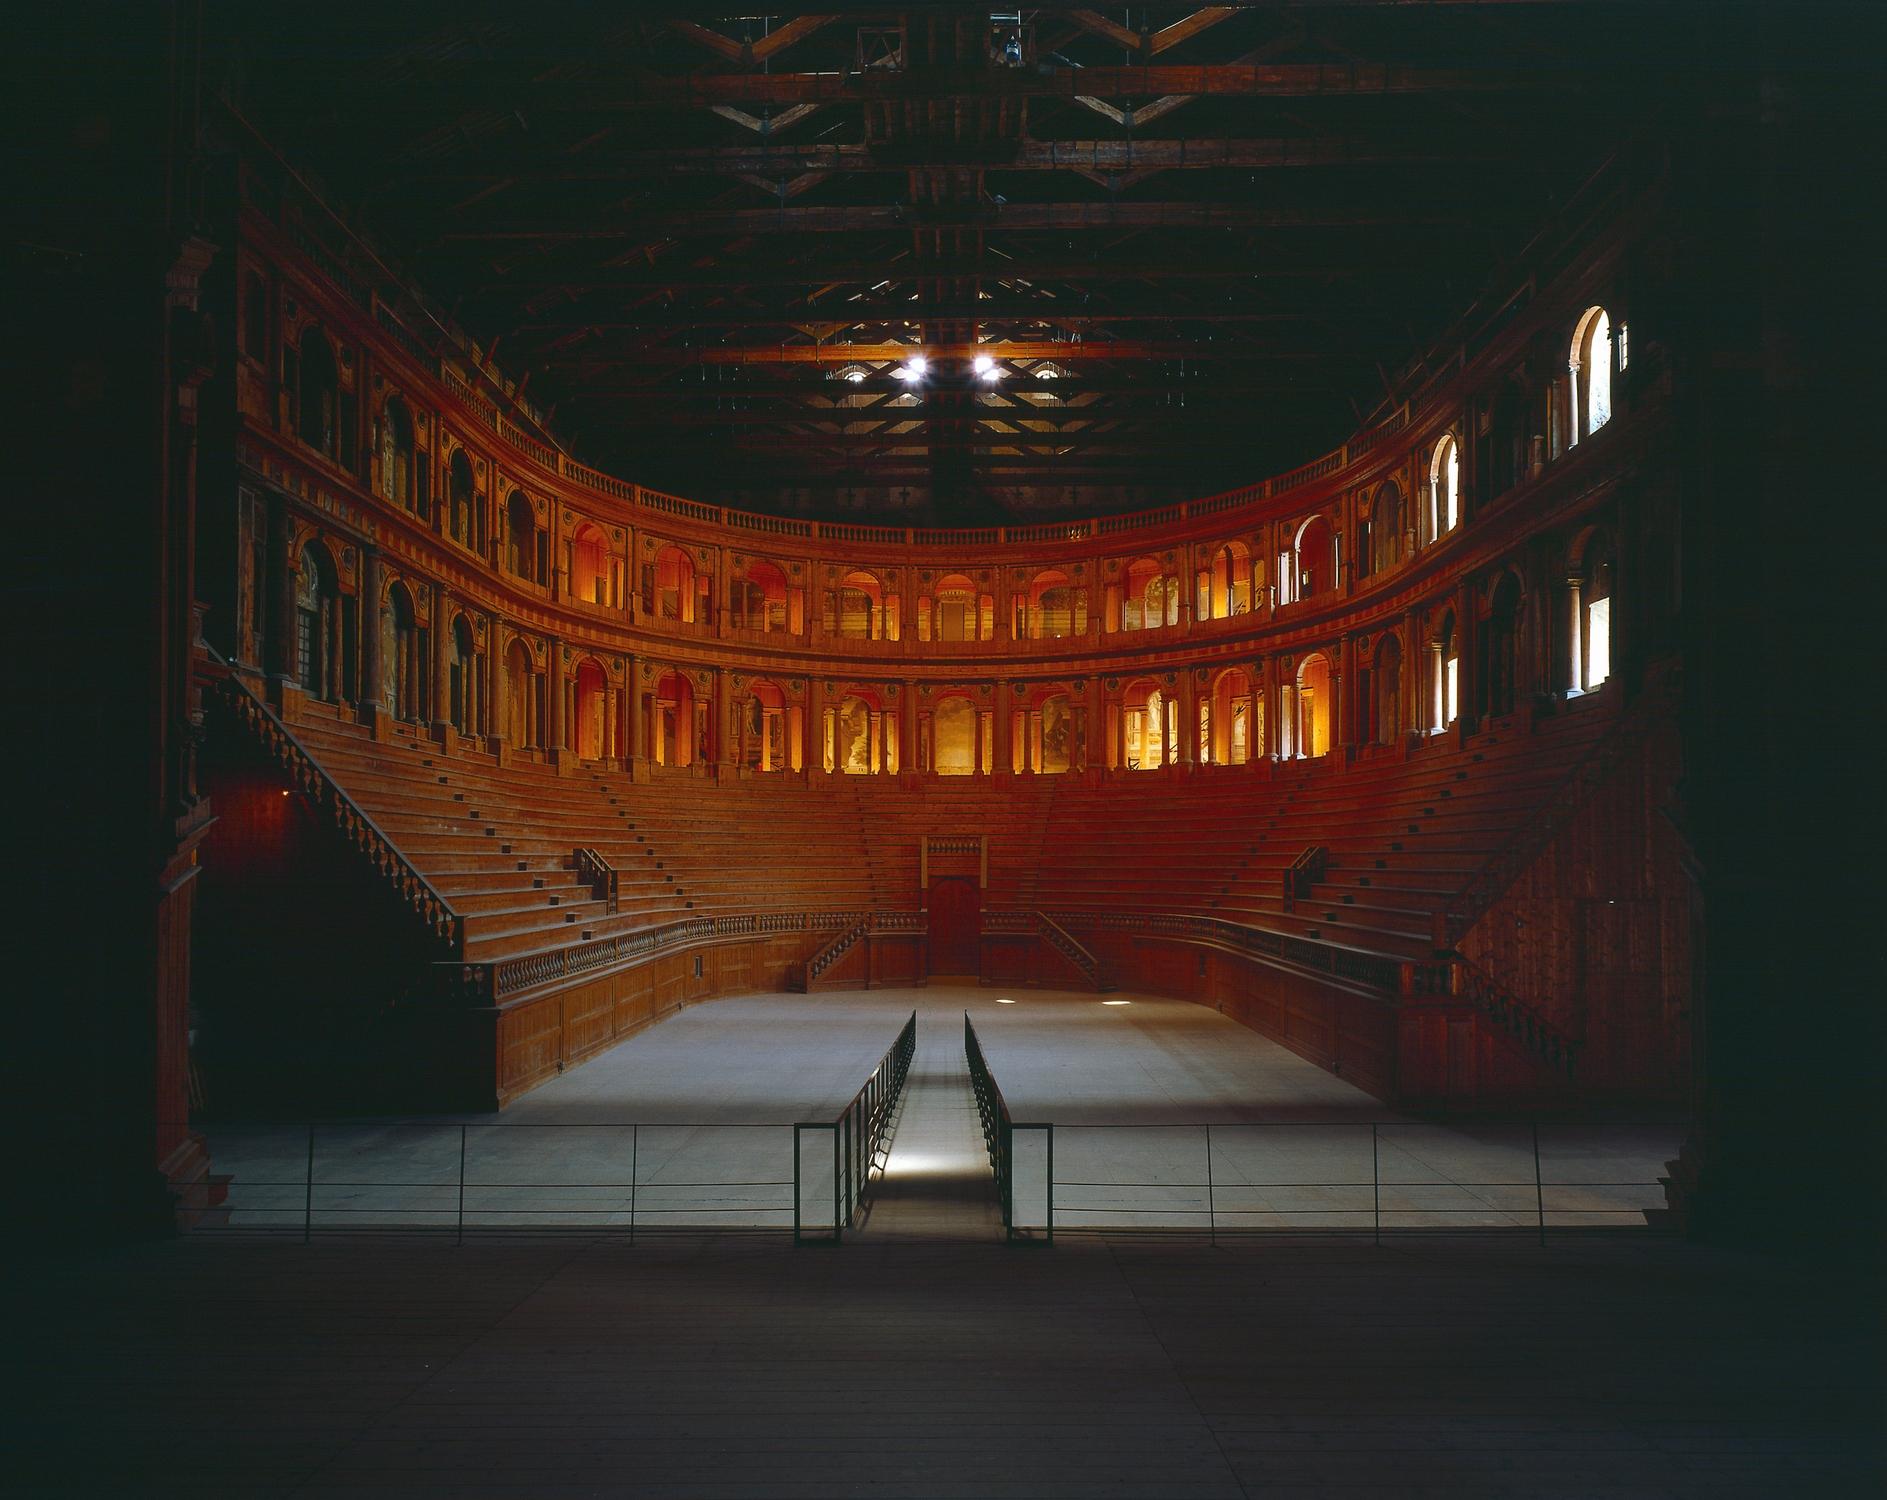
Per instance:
(1403,836)
(497,842)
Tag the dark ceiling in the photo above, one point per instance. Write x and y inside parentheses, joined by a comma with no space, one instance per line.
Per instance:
(1200,244)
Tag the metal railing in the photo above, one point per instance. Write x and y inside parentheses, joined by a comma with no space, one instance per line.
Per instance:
(1304,872)
(600,875)
(860,1144)
(1376,1176)
(460,1176)
(1014,1147)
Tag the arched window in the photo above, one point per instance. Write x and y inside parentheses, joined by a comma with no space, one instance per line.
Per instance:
(1385,529)
(403,666)
(1150,728)
(317,623)
(396,453)
(1315,558)
(521,538)
(1444,487)
(1313,706)
(1595,625)
(1052,609)
(459,495)
(676,728)
(467,682)
(860,609)
(1445,706)
(1152,596)
(317,413)
(523,709)
(1230,586)
(591,577)
(590,692)
(954,725)
(1055,731)
(760,599)
(1386,691)
(669,585)
(768,740)
(1591,372)
(959,612)
(1234,733)
(856,736)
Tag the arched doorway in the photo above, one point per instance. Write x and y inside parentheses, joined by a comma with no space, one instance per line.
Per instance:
(317,623)
(1503,646)
(521,698)
(953,737)
(674,721)
(402,672)
(1313,706)
(592,718)
(1234,735)
(1148,728)
(465,684)
(1387,690)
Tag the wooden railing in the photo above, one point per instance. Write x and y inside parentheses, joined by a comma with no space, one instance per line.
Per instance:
(1541,1038)
(1064,943)
(1528,841)
(413,888)
(1304,872)
(599,874)
(833,951)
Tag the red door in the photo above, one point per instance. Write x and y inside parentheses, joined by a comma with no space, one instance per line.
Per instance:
(956,925)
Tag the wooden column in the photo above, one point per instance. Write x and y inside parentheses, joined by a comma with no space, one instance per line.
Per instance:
(500,698)
(723,717)
(282,654)
(1346,698)
(638,735)
(1188,748)
(814,727)
(372,666)
(907,726)
(441,657)
(1002,749)
(554,693)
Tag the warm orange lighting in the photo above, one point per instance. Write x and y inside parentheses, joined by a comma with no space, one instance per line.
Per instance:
(1117,1002)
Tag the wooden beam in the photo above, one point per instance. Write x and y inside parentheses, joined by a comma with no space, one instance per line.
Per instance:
(1430,209)
(1056,351)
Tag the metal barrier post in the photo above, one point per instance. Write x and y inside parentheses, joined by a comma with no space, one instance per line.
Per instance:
(1539,1188)
(635,1162)
(838,1185)
(798,1197)
(307,1213)
(1212,1211)
(1048,1205)
(461,1184)
(1375,1178)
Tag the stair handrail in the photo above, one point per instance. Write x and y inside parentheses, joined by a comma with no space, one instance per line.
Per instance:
(841,944)
(1504,866)
(1304,872)
(1544,1038)
(1070,947)
(353,821)
(599,874)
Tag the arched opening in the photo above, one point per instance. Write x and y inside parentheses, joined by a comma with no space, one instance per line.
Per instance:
(954,737)
(461,493)
(670,594)
(1229,588)
(760,599)
(1234,722)
(318,407)
(958,612)
(1591,373)
(1594,626)
(1446,704)
(396,453)
(1152,596)
(856,735)
(765,735)
(1444,487)
(1386,691)
(859,609)
(521,536)
(523,701)
(590,573)
(1314,558)
(403,670)
(318,623)
(1052,608)
(674,728)
(1313,706)
(1055,730)
(466,681)
(591,694)
(1384,547)
(1150,726)
(1502,653)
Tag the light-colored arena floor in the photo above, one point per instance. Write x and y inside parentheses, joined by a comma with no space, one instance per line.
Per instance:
(1166,1114)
